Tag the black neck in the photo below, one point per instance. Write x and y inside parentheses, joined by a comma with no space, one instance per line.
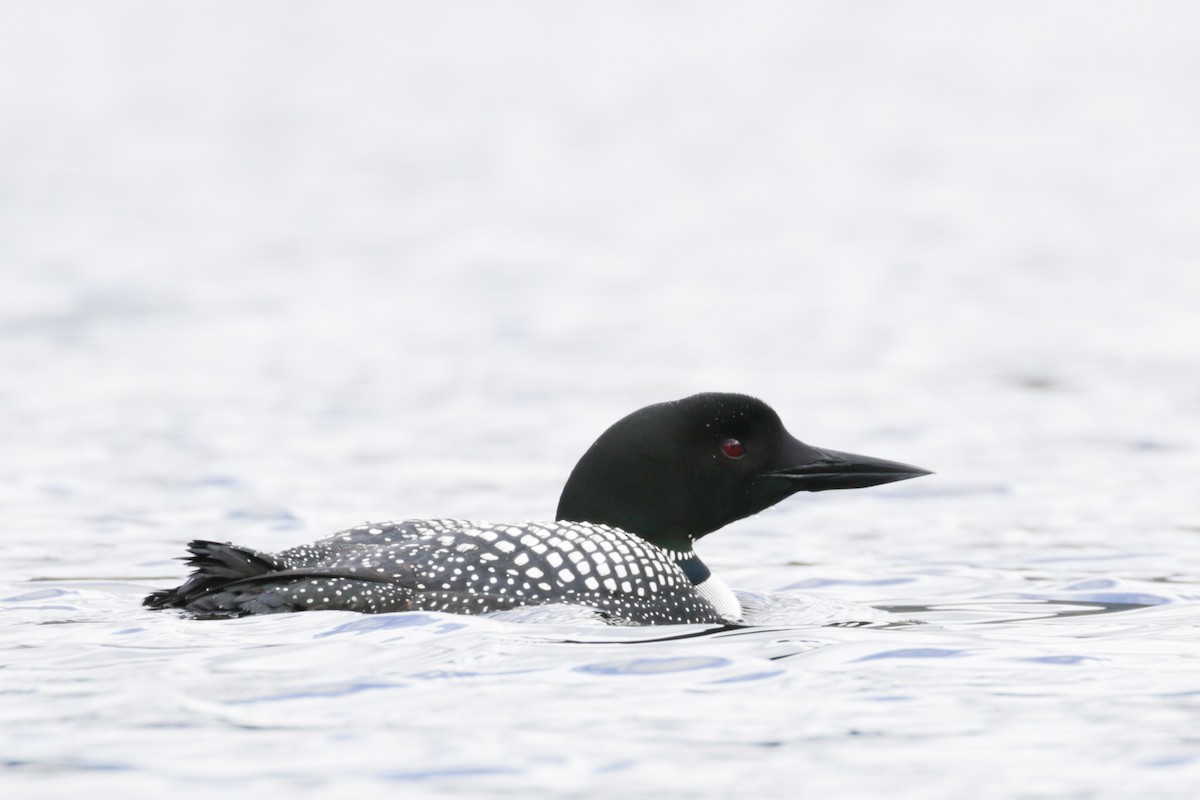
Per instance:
(695,569)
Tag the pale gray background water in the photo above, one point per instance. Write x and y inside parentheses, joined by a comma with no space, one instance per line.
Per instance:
(272,269)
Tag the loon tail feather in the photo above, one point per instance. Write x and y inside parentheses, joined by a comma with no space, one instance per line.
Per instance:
(230,560)
(228,580)
(214,566)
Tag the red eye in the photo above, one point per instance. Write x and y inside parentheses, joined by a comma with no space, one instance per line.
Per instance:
(733,448)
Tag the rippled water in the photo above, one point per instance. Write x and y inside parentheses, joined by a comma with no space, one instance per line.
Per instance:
(273,270)
(1055,689)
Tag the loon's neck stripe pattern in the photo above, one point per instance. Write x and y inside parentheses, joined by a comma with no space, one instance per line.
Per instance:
(696,570)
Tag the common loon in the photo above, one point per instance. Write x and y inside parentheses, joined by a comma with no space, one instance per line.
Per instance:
(631,510)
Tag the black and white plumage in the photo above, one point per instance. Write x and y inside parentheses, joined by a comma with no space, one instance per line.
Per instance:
(458,567)
(628,517)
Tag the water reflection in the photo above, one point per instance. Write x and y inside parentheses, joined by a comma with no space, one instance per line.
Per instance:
(991,612)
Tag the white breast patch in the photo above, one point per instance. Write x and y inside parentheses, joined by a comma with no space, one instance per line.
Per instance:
(714,590)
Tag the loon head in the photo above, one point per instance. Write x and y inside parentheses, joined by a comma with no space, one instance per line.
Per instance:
(673,472)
